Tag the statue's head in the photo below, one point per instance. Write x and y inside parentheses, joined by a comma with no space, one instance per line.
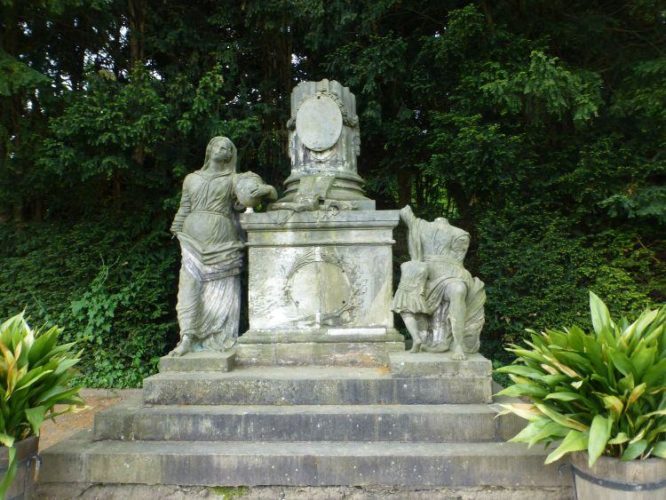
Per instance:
(222,151)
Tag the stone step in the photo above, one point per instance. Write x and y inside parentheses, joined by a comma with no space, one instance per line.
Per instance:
(327,347)
(323,354)
(312,385)
(407,423)
(81,460)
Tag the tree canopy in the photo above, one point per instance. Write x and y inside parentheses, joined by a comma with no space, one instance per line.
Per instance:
(538,126)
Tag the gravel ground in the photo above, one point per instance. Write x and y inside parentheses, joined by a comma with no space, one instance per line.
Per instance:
(66,425)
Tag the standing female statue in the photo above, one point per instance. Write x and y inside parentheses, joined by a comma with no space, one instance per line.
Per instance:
(207,227)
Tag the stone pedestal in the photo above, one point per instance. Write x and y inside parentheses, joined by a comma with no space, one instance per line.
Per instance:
(324,143)
(422,423)
(205,361)
(319,288)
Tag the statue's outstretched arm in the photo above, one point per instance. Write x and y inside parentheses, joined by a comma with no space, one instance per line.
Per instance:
(407,216)
(251,189)
(413,224)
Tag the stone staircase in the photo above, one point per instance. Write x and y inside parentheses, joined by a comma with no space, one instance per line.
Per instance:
(424,422)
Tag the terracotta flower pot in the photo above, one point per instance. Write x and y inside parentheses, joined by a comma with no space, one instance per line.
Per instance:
(612,479)
(26,453)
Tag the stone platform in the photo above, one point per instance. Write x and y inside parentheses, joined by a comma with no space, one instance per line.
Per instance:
(423,422)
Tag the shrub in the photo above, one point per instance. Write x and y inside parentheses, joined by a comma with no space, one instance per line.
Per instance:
(602,391)
(35,373)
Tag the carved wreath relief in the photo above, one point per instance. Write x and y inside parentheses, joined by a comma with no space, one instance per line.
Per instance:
(323,289)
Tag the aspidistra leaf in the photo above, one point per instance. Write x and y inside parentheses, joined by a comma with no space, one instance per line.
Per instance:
(574,441)
(599,434)
(659,449)
(634,450)
(601,319)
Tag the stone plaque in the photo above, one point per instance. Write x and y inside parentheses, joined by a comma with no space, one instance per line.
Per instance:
(319,123)
(320,289)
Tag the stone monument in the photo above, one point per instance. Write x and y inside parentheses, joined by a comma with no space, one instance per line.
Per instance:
(320,260)
(356,413)
(324,142)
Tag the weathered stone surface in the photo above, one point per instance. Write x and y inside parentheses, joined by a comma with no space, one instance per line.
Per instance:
(209,289)
(301,463)
(68,459)
(315,271)
(440,302)
(310,385)
(66,491)
(324,142)
(406,423)
(199,361)
(325,353)
(319,123)
(423,364)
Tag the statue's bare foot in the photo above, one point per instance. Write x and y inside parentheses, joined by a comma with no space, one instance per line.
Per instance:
(416,347)
(458,354)
(183,346)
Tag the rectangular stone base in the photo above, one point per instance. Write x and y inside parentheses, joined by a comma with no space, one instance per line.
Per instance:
(206,361)
(312,385)
(311,353)
(320,272)
(66,491)
(426,364)
(422,465)
(330,347)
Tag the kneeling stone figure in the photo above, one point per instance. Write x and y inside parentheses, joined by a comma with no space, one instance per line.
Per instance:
(440,302)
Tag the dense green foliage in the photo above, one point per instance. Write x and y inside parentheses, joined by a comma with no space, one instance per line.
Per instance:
(111,284)
(539,126)
(600,391)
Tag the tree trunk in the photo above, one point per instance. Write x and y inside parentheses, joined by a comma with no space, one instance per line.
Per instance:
(404,187)
(11,105)
(137,27)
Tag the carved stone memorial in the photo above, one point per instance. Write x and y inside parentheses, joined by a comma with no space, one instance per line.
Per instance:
(320,259)
(376,418)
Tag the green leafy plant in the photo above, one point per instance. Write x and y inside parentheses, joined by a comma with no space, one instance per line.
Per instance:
(603,391)
(34,377)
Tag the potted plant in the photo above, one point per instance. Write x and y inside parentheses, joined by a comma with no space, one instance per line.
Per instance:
(599,393)
(35,376)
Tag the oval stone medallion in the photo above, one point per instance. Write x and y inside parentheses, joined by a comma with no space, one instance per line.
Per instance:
(319,123)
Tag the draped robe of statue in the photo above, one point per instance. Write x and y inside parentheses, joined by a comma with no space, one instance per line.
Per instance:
(442,247)
(209,289)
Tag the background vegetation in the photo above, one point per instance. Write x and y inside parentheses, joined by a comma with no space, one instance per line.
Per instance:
(537,125)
